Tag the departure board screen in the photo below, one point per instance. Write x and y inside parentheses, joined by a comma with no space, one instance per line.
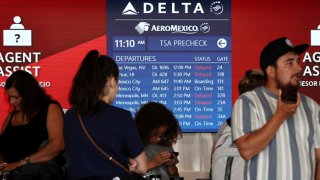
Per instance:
(175,53)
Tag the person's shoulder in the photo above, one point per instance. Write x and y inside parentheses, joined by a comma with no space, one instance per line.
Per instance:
(54,106)
(246,96)
(115,109)
(308,99)
(252,94)
(255,91)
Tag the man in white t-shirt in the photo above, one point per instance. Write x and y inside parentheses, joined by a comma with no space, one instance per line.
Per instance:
(279,138)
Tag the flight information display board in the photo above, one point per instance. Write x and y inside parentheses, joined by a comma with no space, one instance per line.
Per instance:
(175,53)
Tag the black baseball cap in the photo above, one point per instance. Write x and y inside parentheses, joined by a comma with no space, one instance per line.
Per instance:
(276,48)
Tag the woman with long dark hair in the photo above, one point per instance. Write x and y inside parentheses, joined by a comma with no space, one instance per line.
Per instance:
(94,88)
(31,140)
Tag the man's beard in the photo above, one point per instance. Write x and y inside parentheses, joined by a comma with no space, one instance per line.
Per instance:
(289,85)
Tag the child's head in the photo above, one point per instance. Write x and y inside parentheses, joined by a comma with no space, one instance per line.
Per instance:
(157,124)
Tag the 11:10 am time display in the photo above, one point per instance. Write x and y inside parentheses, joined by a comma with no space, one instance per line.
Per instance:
(119,43)
(129,43)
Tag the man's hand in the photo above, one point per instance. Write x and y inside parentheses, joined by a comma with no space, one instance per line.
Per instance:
(286,110)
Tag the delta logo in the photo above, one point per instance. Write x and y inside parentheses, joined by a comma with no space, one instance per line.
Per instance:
(216,8)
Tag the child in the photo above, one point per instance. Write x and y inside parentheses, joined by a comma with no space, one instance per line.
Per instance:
(159,130)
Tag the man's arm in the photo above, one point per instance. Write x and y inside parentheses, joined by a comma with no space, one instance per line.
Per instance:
(253,142)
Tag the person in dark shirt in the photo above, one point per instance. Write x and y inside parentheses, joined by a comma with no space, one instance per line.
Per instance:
(32,133)
(93,90)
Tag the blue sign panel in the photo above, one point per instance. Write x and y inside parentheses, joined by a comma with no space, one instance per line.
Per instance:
(175,53)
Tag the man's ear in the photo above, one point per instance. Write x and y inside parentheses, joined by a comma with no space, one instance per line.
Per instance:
(271,71)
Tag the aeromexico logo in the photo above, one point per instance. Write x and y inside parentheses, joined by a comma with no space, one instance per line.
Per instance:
(216,7)
(142,27)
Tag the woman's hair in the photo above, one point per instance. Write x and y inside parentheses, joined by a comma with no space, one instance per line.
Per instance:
(251,80)
(32,95)
(90,80)
(152,116)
